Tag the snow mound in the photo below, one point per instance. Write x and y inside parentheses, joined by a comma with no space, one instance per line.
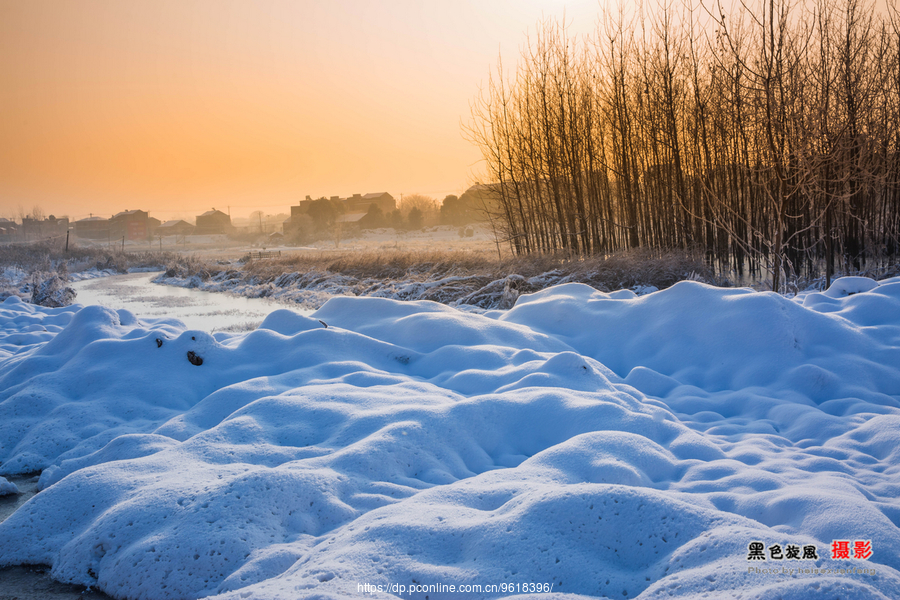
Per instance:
(847,286)
(7,487)
(597,445)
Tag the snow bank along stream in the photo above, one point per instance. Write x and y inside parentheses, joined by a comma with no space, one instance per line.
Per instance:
(601,445)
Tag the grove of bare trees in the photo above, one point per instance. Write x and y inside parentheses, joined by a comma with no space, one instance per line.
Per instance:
(766,136)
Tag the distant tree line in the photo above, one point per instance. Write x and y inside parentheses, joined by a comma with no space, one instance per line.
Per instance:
(769,138)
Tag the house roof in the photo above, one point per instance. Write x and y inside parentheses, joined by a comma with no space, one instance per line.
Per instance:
(126,213)
(86,219)
(374,195)
(210,213)
(350,218)
(480,187)
(174,223)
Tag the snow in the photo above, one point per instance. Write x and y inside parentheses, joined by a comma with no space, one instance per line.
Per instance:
(607,445)
(313,288)
(7,487)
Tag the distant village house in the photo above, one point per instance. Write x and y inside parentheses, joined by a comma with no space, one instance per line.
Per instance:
(43,228)
(361,204)
(132,225)
(175,227)
(8,230)
(92,228)
(213,221)
(355,208)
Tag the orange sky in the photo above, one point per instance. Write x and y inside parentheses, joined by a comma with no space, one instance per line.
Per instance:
(177,106)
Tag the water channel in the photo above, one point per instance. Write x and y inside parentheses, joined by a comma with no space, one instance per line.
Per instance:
(206,311)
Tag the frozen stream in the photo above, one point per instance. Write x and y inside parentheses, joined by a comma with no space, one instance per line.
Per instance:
(206,311)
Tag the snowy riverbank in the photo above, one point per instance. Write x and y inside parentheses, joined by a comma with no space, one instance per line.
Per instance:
(597,444)
(466,281)
(312,289)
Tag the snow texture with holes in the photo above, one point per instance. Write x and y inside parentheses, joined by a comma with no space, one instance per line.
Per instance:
(608,444)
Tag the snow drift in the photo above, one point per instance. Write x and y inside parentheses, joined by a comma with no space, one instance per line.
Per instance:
(602,445)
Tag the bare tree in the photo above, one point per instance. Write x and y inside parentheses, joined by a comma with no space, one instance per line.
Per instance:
(418,210)
(420,201)
(771,143)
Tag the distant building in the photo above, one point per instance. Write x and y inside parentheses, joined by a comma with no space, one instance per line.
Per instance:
(355,208)
(132,224)
(350,218)
(43,228)
(480,199)
(93,228)
(8,230)
(175,227)
(383,200)
(213,221)
(31,227)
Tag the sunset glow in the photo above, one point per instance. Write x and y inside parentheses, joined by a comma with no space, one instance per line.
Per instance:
(175,107)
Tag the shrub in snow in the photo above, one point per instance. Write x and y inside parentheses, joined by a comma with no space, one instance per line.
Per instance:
(51,290)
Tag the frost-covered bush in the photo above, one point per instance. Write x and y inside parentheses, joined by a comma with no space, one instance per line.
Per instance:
(50,289)
(457,278)
(39,272)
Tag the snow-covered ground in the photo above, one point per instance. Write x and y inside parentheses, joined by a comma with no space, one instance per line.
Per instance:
(692,442)
(309,290)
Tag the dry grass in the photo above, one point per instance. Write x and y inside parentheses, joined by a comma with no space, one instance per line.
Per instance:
(606,273)
(448,276)
(459,277)
(379,264)
(51,255)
